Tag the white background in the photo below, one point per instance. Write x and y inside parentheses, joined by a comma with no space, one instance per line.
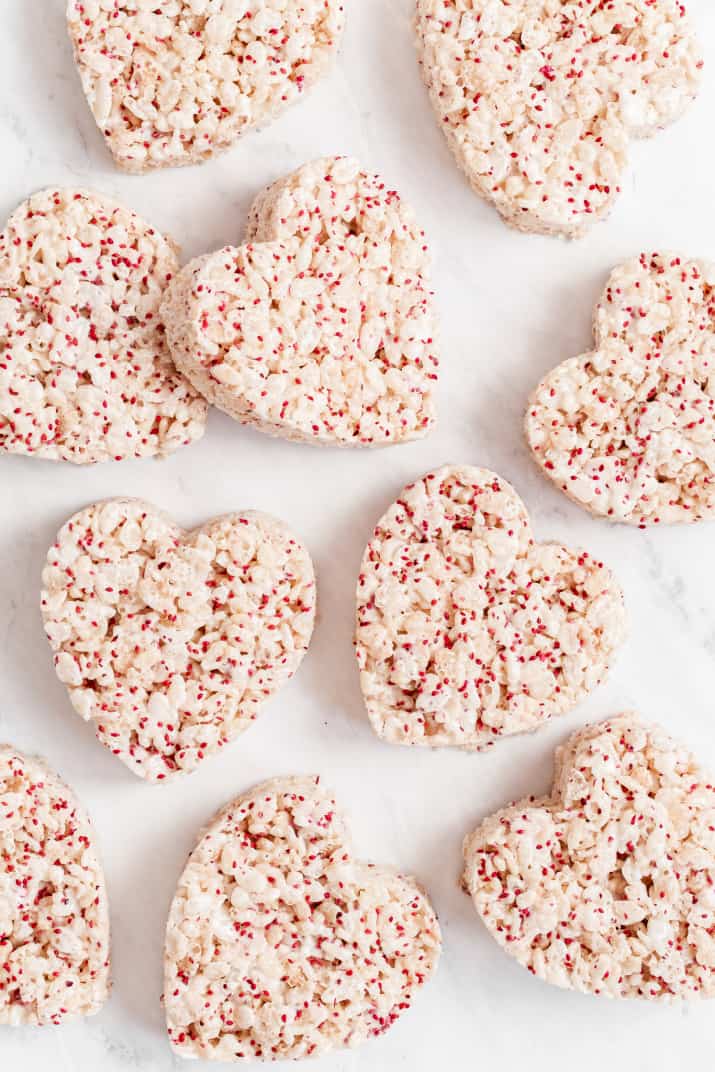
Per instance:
(512,306)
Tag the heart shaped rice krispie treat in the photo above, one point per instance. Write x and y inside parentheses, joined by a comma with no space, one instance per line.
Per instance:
(170,641)
(280,944)
(175,81)
(628,430)
(540,98)
(85,372)
(321,327)
(54,917)
(468,630)
(607,886)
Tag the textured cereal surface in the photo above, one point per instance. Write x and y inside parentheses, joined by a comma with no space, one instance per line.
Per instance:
(468,630)
(54,919)
(321,328)
(628,430)
(539,98)
(85,372)
(280,944)
(168,641)
(607,887)
(175,81)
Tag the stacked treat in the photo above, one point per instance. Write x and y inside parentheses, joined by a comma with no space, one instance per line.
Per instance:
(321,329)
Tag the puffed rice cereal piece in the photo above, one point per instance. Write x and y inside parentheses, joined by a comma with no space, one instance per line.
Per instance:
(85,372)
(607,886)
(170,642)
(54,916)
(321,327)
(540,98)
(628,430)
(174,82)
(468,630)
(280,944)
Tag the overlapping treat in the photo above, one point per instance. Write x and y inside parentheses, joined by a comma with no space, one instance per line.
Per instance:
(280,944)
(171,641)
(468,630)
(540,98)
(54,918)
(85,373)
(628,430)
(176,82)
(607,886)
(321,327)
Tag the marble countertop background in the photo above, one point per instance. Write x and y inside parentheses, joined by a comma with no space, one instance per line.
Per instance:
(512,307)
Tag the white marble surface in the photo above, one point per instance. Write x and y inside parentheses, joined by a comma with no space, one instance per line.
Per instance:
(512,306)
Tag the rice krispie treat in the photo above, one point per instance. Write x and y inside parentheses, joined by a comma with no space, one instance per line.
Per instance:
(607,886)
(321,327)
(280,944)
(468,630)
(540,98)
(54,917)
(168,641)
(628,430)
(175,81)
(85,372)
